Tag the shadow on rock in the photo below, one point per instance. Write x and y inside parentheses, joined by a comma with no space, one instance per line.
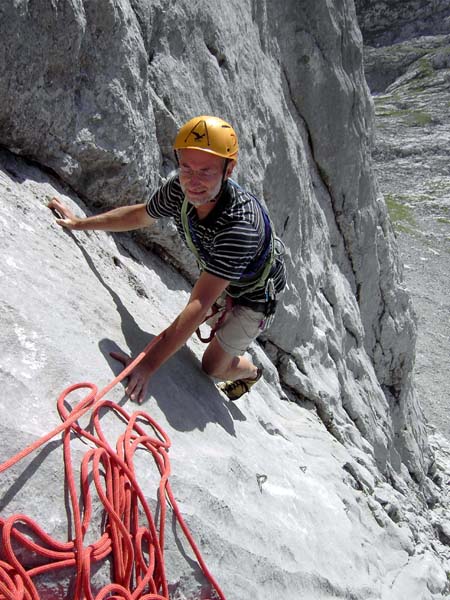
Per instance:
(187,397)
(32,467)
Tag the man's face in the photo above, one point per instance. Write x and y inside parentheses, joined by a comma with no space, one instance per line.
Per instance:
(201,175)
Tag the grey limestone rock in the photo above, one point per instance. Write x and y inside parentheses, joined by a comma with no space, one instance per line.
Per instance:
(94,91)
(75,96)
(387,22)
(410,80)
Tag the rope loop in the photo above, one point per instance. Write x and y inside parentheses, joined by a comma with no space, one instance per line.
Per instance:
(130,536)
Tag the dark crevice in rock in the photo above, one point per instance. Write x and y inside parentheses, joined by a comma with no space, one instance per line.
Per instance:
(392,394)
(323,176)
(443,534)
(338,214)
(356,483)
(32,162)
(355,337)
(326,416)
(218,55)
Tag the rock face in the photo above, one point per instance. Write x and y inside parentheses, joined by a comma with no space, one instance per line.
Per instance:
(388,22)
(94,91)
(277,505)
(411,81)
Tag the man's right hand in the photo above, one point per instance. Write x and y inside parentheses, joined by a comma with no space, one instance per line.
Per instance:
(123,218)
(67,219)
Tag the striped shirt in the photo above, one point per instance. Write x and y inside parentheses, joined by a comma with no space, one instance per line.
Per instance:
(231,240)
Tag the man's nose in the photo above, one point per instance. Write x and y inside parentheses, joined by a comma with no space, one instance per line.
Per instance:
(195,177)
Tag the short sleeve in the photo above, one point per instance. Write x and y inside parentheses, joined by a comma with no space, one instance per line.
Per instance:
(166,200)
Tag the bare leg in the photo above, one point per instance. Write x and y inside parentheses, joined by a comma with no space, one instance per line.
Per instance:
(218,363)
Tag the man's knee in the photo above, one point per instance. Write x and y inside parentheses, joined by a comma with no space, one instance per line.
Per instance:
(212,367)
(209,366)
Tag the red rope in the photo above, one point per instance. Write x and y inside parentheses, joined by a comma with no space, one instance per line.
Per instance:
(130,538)
(215,308)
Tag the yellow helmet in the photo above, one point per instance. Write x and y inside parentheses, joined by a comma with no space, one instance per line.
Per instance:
(209,134)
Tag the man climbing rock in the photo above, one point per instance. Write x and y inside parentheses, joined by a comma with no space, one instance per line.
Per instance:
(240,259)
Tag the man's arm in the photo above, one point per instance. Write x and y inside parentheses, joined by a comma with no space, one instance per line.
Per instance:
(205,292)
(124,218)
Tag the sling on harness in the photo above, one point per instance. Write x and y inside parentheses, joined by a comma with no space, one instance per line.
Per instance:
(215,308)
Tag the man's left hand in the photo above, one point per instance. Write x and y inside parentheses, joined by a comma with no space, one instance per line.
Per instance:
(138,379)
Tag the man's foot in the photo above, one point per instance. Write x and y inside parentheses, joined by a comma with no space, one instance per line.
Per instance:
(236,389)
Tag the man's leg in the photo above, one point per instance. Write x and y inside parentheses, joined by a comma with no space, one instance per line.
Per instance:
(218,363)
(239,373)
(224,358)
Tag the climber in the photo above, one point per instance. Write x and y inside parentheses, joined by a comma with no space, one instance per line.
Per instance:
(241,264)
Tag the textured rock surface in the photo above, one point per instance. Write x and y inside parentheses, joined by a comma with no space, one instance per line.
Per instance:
(411,83)
(329,217)
(96,95)
(279,507)
(386,22)
(74,74)
(410,59)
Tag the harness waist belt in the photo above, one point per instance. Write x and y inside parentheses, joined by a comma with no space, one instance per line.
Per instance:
(256,306)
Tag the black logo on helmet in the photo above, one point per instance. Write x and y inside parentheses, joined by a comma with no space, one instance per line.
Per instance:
(198,136)
(199,131)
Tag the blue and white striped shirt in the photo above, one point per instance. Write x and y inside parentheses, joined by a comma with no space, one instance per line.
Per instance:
(230,240)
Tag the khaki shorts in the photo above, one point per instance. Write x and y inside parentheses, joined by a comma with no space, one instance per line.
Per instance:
(240,327)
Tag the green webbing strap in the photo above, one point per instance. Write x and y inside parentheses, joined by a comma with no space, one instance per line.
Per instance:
(187,234)
(260,280)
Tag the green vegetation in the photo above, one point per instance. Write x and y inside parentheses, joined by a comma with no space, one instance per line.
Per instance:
(425,67)
(385,112)
(423,78)
(413,118)
(401,215)
(443,220)
(418,118)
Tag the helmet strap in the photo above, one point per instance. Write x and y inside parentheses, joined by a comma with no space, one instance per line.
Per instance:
(224,181)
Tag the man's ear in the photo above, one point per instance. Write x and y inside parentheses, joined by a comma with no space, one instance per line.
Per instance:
(230,166)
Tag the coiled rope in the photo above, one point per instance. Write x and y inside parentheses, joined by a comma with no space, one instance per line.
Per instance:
(130,537)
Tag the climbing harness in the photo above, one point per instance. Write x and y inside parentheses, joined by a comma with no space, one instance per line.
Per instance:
(130,537)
